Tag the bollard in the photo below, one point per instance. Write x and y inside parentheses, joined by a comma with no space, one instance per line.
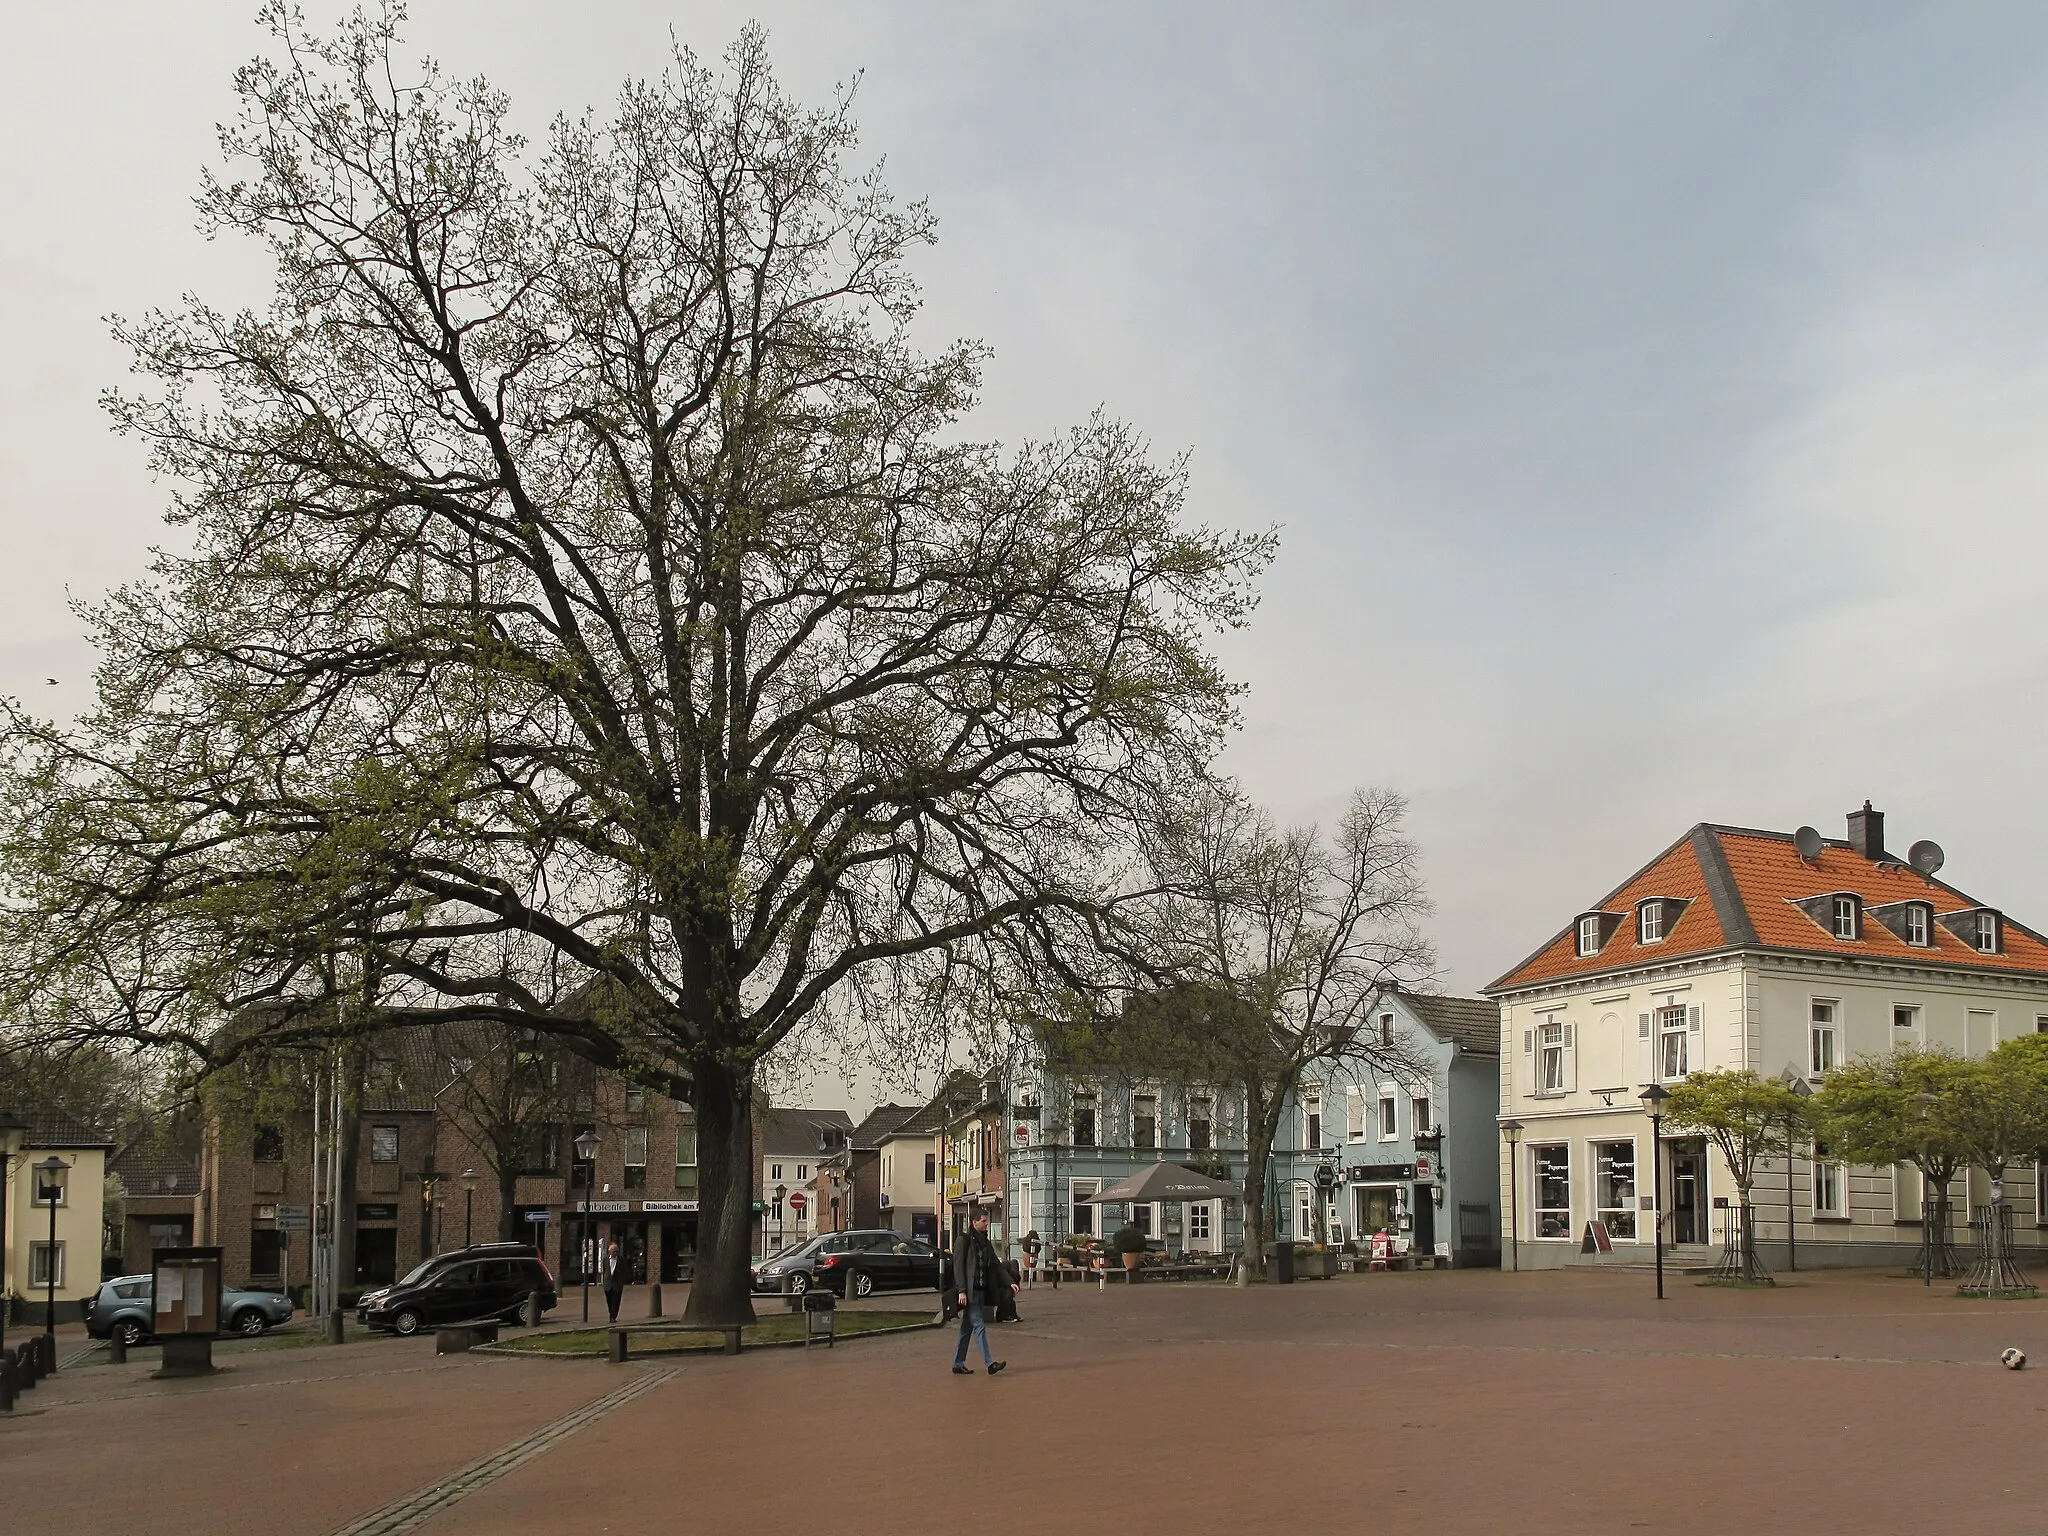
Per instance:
(654,1299)
(49,1354)
(532,1309)
(117,1348)
(1102,1279)
(27,1357)
(6,1381)
(330,1329)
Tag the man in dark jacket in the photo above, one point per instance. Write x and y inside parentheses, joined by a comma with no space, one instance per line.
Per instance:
(978,1282)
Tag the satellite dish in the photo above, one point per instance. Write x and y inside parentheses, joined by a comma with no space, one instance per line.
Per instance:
(1807,841)
(1925,856)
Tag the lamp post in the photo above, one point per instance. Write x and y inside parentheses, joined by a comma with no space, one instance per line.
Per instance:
(468,1203)
(1653,1106)
(586,1153)
(1512,1129)
(12,1132)
(52,1169)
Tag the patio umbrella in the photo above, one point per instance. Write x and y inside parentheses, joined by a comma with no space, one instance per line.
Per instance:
(1166,1181)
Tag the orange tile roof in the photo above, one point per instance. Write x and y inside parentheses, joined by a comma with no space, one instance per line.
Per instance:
(1751,882)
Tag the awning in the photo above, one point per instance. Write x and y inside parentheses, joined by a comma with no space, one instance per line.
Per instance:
(1166,1181)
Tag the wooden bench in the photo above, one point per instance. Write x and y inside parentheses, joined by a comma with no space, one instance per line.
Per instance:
(617,1353)
(461,1338)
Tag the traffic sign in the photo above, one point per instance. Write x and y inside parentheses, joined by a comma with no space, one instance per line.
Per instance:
(539,1217)
(797,1200)
(287,1223)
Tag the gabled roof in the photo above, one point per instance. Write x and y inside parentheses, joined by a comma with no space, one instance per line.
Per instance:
(1742,888)
(879,1121)
(796,1132)
(1473,1023)
(150,1168)
(960,1086)
(53,1130)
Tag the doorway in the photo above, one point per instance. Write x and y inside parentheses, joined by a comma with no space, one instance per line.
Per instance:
(1689,1216)
(376,1255)
(631,1236)
(678,1249)
(1425,1221)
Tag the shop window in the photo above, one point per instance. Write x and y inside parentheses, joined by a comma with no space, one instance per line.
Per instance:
(1614,1187)
(1553,1190)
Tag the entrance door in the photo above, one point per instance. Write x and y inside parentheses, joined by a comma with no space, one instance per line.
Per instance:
(376,1255)
(678,1249)
(1425,1221)
(1688,1192)
(632,1240)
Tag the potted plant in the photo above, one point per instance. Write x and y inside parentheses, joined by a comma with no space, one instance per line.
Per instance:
(1130,1243)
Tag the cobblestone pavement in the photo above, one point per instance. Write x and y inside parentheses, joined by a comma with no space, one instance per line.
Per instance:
(1464,1402)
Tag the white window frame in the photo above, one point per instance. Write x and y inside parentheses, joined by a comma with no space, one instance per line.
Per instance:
(1650,923)
(1354,1114)
(1304,1211)
(1823,1036)
(1830,1176)
(1420,1119)
(1589,936)
(1389,1117)
(1987,933)
(1605,1213)
(1199,1221)
(1553,1047)
(1077,1190)
(1537,1209)
(1672,1020)
(635,1153)
(1312,1120)
(1913,1013)
(1919,923)
(1386,1029)
(39,1252)
(1844,913)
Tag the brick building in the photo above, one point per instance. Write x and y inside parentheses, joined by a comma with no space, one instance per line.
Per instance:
(160,1201)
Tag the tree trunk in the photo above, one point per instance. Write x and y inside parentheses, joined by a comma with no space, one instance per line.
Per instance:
(354,1063)
(1258,1221)
(508,1184)
(722,1291)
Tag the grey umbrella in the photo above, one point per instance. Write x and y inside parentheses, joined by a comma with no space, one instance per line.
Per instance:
(1166,1181)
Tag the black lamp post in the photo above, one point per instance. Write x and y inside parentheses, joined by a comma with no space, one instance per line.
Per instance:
(586,1153)
(52,1169)
(12,1132)
(1653,1105)
(1512,1129)
(468,1203)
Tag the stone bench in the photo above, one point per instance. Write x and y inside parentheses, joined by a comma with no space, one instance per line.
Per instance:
(618,1351)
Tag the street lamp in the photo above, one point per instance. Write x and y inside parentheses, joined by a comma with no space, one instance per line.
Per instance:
(1653,1105)
(50,1186)
(1512,1129)
(13,1130)
(586,1152)
(468,1203)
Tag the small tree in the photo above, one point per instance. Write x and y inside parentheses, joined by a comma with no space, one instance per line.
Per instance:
(1885,1110)
(1998,1112)
(1745,1117)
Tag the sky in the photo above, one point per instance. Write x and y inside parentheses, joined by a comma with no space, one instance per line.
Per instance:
(1648,398)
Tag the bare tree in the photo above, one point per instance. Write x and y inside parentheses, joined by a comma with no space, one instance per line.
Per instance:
(1282,944)
(583,565)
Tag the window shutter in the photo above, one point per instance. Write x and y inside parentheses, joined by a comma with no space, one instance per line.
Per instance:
(1528,1042)
(1571,1058)
(1693,1017)
(1646,1057)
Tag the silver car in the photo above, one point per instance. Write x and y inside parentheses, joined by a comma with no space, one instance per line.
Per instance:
(123,1307)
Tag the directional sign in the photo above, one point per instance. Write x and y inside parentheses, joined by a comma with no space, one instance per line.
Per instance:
(287,1222)
(538,1217)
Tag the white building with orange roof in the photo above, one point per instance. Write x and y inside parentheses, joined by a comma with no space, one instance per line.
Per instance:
(1785,953)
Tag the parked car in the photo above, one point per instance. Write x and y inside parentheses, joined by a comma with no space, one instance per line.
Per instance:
(853,1264)
(484,1281)
(125,1307)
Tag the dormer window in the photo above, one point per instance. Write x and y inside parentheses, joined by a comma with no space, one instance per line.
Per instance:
(1589,935)
(1650,923)
(1845,917)
(1987,933)
(1919,922)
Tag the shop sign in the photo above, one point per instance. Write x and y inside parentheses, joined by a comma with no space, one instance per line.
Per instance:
(1024,1135)
(669,1207)
(1422,1165)
(954,1189)
(607,1207)
(376,1213)
(1368,1173)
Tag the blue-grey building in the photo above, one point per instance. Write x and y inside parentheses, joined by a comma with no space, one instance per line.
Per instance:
(1072,1133)
(1414,1157)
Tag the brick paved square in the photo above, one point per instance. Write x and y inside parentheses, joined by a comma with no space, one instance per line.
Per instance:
(1849,1402)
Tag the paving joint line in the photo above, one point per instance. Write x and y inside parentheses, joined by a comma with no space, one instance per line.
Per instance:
(416,1508)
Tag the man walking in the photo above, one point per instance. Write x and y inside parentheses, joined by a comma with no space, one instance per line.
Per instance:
(613,1274)
(978,1282)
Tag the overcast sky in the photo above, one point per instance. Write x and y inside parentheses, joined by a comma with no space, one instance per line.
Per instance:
(1649,397)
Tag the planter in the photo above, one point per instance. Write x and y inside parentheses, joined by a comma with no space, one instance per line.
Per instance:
(1314,1266)
(1133,1260)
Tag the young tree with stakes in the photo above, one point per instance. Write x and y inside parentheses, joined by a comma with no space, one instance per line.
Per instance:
(1884,1110)
(1746,1117)
(576,558)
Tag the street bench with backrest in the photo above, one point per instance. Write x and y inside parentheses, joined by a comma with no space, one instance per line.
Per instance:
(618,1352)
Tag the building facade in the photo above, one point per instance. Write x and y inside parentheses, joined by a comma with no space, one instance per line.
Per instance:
(794,1143)
(55,1219)
(908,1194)
(1786,954)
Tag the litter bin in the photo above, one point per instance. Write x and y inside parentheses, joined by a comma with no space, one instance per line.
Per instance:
(1280,1263)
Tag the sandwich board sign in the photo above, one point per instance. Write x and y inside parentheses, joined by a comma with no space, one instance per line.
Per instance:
(1596,1239)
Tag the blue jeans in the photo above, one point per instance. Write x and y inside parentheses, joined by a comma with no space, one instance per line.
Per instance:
(970,1322)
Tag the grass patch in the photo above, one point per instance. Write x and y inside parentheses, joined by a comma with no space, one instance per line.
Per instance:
(769,1332)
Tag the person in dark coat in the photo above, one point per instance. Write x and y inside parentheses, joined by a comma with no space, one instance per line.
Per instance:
(978,1282)
(613,1274)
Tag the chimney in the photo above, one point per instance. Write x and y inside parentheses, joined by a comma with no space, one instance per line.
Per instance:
(1866,832)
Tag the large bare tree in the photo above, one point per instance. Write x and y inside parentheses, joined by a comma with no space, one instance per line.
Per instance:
(578,563)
